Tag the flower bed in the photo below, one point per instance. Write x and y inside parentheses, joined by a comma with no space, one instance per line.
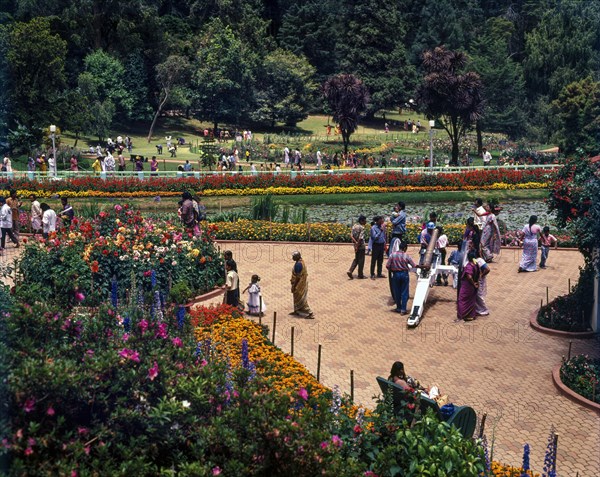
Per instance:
(121,256)
(222,330)
(319,232)
(582,374)
(216,184)
(571,312)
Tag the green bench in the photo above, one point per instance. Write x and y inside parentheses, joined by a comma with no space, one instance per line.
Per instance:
(463,418)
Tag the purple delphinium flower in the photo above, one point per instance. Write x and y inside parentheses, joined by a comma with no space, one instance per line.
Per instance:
(525,460)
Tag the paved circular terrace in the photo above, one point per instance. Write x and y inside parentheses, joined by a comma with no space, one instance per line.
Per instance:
(496,364)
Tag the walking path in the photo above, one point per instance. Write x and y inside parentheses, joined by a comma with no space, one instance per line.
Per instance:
(497,364)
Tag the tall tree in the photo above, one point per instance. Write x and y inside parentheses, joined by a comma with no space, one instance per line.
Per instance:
(104,79)
(33,67)
(312,29)
(348,98)
(223,74)
(169,74)
(577,113)
(563,48)
(453,97)
(452,23)
(372,48)
(502,78)
(284,89)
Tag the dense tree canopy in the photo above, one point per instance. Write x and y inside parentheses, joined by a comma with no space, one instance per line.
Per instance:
(248,58)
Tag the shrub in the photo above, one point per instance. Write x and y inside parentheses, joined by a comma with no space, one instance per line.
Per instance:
(581,374)
(571,312)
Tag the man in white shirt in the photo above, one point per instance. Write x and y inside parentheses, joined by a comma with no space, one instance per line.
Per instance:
(487,157)
(319,159)
(109,163)
(48,220)
(253,169)
(6,223)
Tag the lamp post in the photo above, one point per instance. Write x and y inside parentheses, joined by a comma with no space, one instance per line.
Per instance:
(431,126)
(53,136)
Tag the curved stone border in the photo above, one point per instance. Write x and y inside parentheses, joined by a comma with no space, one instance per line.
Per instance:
(561,334)
(207,296)
(569,393)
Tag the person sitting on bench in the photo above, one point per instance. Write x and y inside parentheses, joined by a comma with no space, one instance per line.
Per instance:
(408,383)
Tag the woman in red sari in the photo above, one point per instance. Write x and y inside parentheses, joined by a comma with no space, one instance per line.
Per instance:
(466,306)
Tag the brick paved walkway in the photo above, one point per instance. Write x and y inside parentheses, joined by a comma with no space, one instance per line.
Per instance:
(496,364)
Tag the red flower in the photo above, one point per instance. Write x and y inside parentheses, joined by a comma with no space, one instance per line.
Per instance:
(94,266)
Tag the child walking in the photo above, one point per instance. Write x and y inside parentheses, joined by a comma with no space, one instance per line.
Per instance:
(256,306)
(547,240)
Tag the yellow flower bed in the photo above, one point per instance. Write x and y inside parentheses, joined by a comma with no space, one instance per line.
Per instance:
(365,189)
(502,470)
(287,374)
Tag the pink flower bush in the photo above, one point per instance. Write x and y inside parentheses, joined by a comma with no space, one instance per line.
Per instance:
(153,372)
(130,354)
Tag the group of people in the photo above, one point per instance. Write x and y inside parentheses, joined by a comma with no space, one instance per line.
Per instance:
(479,246)
(255,305)
(44,219)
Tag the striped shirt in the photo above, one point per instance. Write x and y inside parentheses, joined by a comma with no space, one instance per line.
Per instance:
(399,262)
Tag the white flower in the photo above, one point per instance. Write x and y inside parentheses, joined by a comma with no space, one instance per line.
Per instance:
(124,257)
(174,263)
(186,404)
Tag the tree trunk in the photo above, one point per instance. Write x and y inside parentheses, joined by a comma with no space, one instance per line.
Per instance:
(159,109)
(346,140)
(76,139)
(479,139)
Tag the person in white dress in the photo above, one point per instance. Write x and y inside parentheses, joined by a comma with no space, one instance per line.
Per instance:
(256,305)
(48,220)
(319,159)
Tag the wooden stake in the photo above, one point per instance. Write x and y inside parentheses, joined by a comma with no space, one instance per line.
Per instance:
(319,365)
(541,303)
(274,326)
(352,385)
(482,427)
(555,452)
(292,339)
(260,319)
(569,286)
(569,355)
(594,391)
(547,295)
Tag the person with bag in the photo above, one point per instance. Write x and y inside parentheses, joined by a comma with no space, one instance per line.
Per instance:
(188,214)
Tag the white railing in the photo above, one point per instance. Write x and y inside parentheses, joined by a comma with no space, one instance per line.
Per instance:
(60,175)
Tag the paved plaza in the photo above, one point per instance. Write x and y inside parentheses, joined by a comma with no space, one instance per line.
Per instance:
(496,364)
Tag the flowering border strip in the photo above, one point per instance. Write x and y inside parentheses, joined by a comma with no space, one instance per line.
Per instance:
(325,183)
(561,334)
(310,190)
(315,190)
(569,393)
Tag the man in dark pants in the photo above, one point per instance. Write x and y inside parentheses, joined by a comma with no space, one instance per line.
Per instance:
(378,240)
(358,240)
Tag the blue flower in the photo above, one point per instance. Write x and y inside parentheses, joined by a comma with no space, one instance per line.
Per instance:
(525,460)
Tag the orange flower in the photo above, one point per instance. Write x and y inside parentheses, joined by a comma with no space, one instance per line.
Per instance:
(94,266)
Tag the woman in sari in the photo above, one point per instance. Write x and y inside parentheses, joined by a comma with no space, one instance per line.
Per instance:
(490,236)
(299,283)
(466,306)
(471,236)
(531,234)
